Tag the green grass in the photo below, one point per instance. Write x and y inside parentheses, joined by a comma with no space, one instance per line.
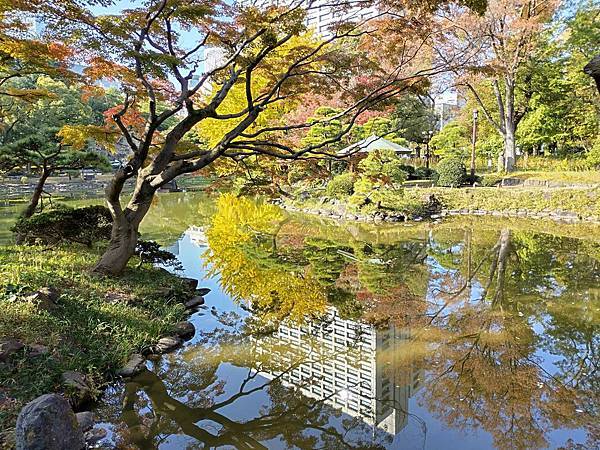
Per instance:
(585,202)
(587,176)
(98,323)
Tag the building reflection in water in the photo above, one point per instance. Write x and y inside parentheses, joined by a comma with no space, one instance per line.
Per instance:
(350,365)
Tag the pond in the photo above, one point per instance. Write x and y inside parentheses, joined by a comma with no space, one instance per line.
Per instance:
(466,334)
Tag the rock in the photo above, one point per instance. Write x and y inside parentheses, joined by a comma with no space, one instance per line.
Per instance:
(51,293)
(41,300)
(36,350)
(77,387)
(48,423)
(185,330)
(167,344)
(8,347)
(194,301)
(94,436)
(135,365)
(85,420)
(191,283)
(202,291)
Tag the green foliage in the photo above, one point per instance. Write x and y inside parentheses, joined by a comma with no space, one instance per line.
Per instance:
(491,179)
(42,149)
(593,156)
(585,202)
(384,166)
(364,193)
(452,140)
(425,173)
(410,171)
(341,185)
(452,172)
(62,224)
(380,126)
(414,118)
(321,132)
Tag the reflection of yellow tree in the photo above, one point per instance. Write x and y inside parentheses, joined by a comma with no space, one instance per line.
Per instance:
(275,290)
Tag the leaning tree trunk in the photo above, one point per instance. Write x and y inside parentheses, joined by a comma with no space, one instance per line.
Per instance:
(37,194)
(126,223)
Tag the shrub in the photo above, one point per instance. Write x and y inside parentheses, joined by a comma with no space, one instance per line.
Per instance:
(295,175)
(364,193)
(384,166)
(410,171)
(491,179)
(425,173)
(341,185)
(62,224)
(452,172)
(593,156)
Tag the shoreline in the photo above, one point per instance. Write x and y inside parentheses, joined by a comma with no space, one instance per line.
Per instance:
(64,331)
(397,217)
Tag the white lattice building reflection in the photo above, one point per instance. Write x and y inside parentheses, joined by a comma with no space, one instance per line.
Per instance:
(348,364)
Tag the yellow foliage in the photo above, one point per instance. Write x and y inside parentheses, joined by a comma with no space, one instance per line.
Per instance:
(276,293)
(264,78)
(77,136)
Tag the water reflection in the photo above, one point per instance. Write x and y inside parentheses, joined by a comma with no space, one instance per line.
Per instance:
(457,335)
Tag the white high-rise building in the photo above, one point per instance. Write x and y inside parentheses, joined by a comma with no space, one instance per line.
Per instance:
(347,364)
(323,14)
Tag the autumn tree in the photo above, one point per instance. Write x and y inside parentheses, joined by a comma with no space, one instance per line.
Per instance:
(506,38)
(144,50)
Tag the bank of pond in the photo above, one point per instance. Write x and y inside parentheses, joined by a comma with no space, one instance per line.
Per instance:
(471,332)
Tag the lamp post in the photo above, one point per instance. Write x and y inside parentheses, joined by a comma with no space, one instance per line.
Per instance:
(473,142)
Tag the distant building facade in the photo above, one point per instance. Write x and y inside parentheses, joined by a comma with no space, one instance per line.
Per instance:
(446,105)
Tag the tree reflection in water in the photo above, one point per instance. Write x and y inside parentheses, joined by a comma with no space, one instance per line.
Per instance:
(188,396)
(499,324)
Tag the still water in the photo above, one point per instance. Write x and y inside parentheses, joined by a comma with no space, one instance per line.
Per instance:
(468,334)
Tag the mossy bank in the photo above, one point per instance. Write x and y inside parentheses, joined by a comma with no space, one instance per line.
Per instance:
(91,327)
(569,204)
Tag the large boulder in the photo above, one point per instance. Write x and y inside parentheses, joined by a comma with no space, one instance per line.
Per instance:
(194,302)
(167,344)
(48,423)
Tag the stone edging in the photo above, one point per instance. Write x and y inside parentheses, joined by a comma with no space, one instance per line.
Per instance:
(395,217)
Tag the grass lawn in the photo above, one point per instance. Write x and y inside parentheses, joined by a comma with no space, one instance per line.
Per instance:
(586,176)
(582,201)
(97,322)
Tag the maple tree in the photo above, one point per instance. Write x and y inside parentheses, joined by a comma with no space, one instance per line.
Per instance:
(144,50)
(505,38)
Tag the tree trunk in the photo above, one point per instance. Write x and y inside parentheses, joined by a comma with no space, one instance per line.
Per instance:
(510,148)
(37,194)
(124,235)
